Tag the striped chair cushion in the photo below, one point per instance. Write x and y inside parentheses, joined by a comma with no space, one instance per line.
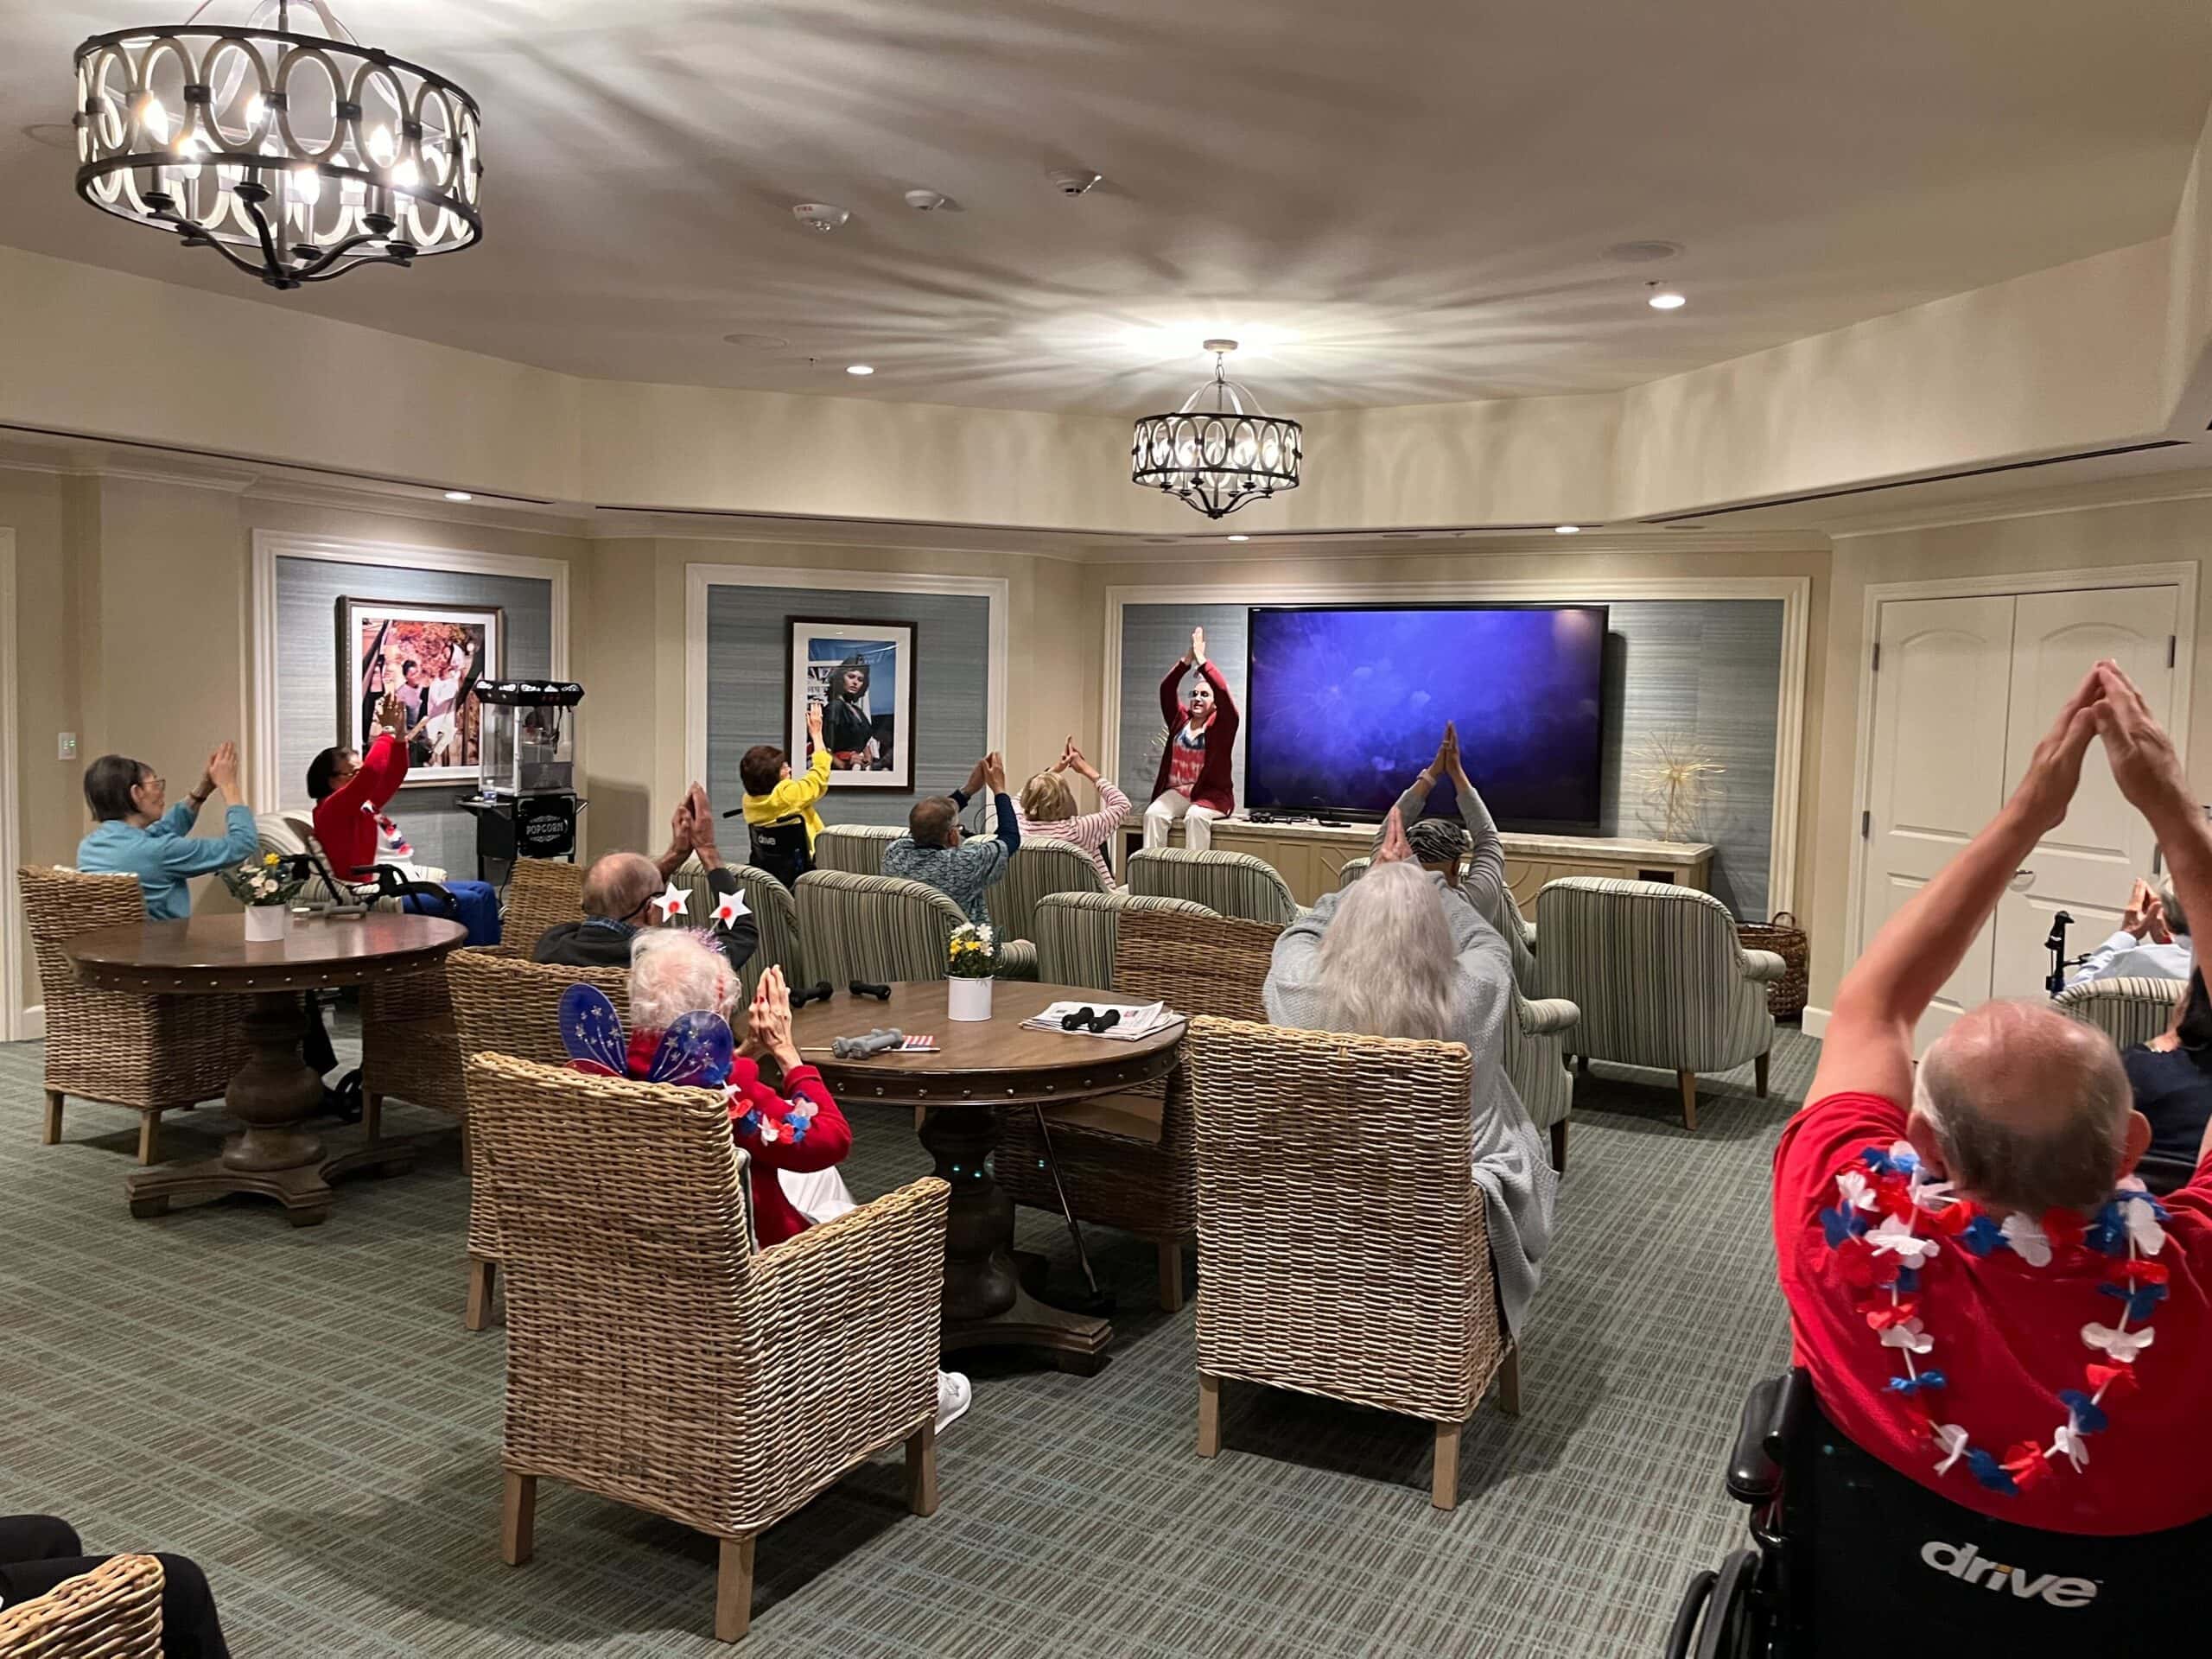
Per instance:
(773,912)
(2129,1011)
(873,927)
(1040,867)
(1078,932)
(856,848)
(1229,884)
(1658,973)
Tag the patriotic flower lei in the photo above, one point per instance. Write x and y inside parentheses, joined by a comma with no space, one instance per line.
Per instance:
(1875,1230)
(776,1120)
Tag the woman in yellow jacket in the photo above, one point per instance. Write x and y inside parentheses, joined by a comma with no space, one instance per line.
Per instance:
(779,808)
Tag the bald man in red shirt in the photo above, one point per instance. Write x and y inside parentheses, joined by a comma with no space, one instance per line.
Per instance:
(1983,1296)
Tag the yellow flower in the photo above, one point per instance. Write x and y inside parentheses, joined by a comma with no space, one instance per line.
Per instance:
(270,858)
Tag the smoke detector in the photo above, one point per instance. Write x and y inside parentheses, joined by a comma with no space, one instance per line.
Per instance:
(926,201)
(1074,181)
(822,216)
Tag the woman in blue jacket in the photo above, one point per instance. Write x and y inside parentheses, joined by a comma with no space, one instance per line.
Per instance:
(135,836)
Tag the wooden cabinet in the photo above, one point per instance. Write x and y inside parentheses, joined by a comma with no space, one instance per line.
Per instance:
(1311,857)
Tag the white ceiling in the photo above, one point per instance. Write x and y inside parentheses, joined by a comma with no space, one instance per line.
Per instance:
(1393,203)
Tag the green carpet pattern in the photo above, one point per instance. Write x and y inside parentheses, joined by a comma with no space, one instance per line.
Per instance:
(301,1411)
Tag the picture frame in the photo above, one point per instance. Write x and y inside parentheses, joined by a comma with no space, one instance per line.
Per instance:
(451,645)
(871,736)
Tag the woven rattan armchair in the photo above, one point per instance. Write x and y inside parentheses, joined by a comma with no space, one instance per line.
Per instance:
(1660,976)
(151,1053)
(1196,964)
(114,1611)
(2129,1011)
(1390,1303)
(1039,868)
(1235,884)
(855,848)
(656,1358)
(539,893)
(1076,933)
(505,1005)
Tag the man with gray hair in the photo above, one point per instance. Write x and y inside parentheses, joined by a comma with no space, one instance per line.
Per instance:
(621,891)
(1974,1280)
(2152,942)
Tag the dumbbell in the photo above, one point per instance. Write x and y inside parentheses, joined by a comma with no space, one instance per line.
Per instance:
(860,1048)
(1089,1019)
(880,993)
(818,993)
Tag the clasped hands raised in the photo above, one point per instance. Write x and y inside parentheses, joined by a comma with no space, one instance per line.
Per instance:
(2106,705)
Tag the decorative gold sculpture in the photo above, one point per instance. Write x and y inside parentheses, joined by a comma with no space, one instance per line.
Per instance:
(1673,773)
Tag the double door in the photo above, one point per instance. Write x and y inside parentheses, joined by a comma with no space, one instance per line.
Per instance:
(1965,689)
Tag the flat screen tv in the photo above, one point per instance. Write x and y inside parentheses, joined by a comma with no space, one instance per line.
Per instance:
(1344,705)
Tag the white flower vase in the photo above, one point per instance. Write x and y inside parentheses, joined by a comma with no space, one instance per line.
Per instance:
(265,924)
(968,999)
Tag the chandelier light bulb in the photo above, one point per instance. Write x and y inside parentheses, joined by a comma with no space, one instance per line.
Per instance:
(307,186)
(188,149)
(254,106)
(153,116)
(381,147)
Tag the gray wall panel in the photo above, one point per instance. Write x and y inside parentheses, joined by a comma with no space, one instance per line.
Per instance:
(308,591)
(1708,667)
(748,639)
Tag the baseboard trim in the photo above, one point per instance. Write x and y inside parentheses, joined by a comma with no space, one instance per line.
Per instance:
(1816,1021)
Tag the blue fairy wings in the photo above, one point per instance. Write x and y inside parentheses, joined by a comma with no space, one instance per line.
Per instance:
(695,1051)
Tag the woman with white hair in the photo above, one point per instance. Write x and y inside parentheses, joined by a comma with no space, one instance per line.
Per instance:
(1398,955)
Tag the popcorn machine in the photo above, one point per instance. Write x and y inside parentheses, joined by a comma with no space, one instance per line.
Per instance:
(526,802)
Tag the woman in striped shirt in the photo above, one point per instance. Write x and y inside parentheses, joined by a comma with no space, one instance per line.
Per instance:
(1048,808)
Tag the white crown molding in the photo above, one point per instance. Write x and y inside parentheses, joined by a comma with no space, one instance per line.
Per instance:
(995,591)
(2146,489)
(15,1023)
(263,781)
(1795,593)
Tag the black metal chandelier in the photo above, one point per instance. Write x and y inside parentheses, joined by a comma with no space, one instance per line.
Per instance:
(297,157)
(1217,458)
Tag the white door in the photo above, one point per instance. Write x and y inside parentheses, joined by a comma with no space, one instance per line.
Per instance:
(1938,771)
(2086,865)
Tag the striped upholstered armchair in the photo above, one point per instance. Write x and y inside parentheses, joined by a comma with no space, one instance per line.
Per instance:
(774,913)
(886,928)
(2129,1011)
(1076,933)
(1230,883)
(1660,977)
(856,848)
(1039,869)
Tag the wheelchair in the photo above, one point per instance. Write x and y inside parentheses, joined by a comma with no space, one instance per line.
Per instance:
(1850,1557)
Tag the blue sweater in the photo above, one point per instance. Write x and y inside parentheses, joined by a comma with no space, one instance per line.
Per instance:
(164,855)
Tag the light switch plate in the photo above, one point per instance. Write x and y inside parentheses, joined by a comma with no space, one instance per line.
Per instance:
(65,747)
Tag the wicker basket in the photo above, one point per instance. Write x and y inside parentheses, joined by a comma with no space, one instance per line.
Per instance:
(1785,997)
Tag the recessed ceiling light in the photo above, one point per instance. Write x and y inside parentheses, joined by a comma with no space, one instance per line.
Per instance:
(1567,530)
(860,368)
(1240,538)
(1667,300)
(459,495)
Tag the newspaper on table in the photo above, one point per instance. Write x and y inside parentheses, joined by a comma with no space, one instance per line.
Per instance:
(1136,1021)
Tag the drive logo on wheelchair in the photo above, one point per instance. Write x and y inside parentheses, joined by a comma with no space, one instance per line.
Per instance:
(1966,1563)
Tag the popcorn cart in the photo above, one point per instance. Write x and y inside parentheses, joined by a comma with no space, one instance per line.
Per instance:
(526,802)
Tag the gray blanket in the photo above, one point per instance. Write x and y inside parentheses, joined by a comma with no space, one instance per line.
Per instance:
(1510,1164)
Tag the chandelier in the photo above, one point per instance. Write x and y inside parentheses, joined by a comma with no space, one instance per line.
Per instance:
(1218,455)
(297,157)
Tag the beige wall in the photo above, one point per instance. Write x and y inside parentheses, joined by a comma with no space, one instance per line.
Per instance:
(2093,538)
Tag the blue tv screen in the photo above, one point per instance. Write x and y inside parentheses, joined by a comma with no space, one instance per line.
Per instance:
(1344,707)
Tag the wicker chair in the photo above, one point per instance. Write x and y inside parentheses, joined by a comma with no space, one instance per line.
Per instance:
(1077,932)
(114,1611)
(886,928)
(1230,883)
(1660,977)
(2129,1011)
(539,893)
(505,1005)
(855,848)
(1196,964)
(1535,1038)
(1039,869)
(656,1358)
(1386,1304)
(151,1053)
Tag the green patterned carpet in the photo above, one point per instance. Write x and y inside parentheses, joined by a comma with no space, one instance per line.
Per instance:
(302,1412)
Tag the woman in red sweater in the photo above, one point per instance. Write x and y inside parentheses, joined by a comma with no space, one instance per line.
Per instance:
(1193,783)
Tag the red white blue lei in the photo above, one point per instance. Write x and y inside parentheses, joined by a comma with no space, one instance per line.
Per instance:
(1889,1223)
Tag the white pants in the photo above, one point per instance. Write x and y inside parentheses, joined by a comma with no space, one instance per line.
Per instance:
(1174,804)
(817,1194)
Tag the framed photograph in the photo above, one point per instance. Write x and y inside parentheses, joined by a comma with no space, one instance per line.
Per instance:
(431,658)
(861,675)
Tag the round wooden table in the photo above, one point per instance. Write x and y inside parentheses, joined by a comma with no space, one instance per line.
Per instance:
(273,1092)
(978,1070)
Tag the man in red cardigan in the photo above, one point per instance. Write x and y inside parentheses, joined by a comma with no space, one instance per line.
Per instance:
(1193,783)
